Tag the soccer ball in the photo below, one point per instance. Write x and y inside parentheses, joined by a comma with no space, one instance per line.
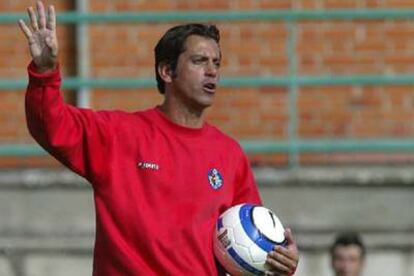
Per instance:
(244,234)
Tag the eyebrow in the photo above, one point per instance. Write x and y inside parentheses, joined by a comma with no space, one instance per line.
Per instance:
(204,56)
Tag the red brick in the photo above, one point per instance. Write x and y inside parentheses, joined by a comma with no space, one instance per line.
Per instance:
(374,3)
(399,4)
(29,162)
(338,4)
(129,100)
(309,131)
(399,29)
(21,6)
(247,4)
(270,159)
(338,30)
(212,5)
(143,5)
(252,49)
(271,4)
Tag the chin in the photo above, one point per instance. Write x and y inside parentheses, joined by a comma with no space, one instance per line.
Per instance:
(204,103)
(202,107)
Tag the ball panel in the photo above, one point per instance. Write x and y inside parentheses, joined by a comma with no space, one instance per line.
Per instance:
(231,216)
(241,261)
(219,224)
(223,245)
(251,230)
(241,248)
(274,231)
(257,255)
(224,239)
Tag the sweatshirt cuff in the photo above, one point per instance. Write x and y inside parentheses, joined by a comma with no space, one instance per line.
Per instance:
(52,77)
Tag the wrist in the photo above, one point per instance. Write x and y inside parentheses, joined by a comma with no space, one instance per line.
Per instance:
(46,68)
(43,70)
(34,71)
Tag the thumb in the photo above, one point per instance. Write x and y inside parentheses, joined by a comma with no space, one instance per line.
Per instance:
(289,237)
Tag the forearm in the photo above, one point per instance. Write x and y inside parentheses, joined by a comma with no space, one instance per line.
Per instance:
(56,126)
(72,135)
(42,92)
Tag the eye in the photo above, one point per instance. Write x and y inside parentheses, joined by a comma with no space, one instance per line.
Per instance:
(198,60)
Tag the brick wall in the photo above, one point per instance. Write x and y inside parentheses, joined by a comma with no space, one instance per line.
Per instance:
(47,217)
(249,49)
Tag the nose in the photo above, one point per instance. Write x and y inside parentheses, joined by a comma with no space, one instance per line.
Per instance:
(211,70)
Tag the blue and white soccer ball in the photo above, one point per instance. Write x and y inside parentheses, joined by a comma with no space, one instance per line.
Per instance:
(244,234)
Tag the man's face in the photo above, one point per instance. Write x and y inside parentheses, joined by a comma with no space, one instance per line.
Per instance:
(347,260)
(197,72)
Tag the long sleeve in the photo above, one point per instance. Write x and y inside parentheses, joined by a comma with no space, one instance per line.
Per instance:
(78,138)
(246,191)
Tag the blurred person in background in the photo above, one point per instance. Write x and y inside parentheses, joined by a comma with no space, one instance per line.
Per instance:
(160,177)
(348,254)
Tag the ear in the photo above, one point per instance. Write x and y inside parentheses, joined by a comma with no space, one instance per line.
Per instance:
(165,72)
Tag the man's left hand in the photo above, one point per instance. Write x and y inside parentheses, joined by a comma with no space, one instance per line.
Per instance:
(283,261)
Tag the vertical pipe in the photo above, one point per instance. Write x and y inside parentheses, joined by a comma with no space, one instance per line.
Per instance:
(294,161)
(82,55)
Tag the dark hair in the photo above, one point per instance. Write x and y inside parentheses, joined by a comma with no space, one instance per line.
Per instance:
(348,238)
(172,44)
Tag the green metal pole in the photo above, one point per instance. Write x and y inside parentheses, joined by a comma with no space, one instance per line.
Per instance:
(294,161)
(216,16)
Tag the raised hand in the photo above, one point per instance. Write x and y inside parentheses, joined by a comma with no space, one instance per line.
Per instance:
(42,37)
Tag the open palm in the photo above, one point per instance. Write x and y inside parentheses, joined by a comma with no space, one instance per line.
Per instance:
(42,37)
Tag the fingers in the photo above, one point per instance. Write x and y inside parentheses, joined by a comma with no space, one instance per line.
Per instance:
(51,22)
(284,260)
(26,31)
(41,14)
(278,263)
(284,257)
(52,44)
(33,19)
(289,237)
(39,20)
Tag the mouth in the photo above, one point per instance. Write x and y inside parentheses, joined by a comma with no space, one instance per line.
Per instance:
(209,87)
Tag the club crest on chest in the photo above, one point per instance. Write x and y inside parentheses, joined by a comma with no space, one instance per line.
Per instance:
(215,178)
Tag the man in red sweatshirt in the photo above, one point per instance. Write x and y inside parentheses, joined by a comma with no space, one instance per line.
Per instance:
(160,177)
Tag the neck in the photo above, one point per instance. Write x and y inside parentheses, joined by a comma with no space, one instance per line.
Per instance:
(182,115)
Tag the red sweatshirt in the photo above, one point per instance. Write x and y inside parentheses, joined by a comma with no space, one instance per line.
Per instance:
(158,186)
